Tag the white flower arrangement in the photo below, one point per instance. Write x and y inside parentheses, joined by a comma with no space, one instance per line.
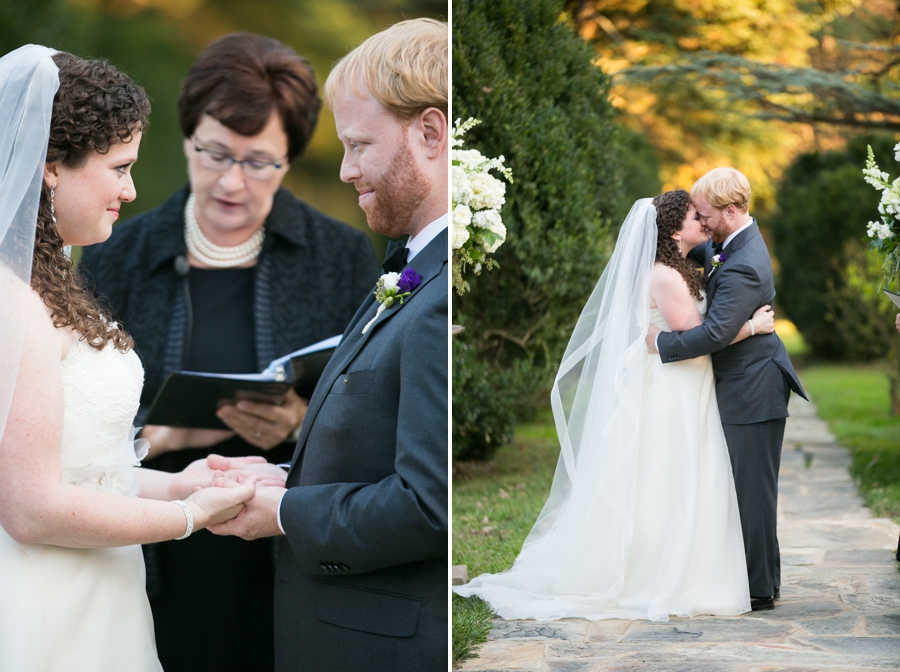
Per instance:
(476,225)
(884,233)
(879,230)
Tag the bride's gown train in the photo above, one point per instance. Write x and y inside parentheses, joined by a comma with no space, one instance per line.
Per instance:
(83,610)
(683,554)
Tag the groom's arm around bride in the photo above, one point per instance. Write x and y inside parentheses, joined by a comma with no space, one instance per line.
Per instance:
(361,580)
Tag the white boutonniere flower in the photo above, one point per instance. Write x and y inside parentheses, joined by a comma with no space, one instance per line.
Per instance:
(717,261)
(393,288)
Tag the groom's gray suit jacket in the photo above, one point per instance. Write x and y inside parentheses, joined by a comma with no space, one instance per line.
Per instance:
(751,374)
(361,579)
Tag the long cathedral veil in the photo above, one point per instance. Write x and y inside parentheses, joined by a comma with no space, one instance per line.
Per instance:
(576,554)
(28,82)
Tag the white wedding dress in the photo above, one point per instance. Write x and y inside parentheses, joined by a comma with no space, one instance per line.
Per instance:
(681,551)
(83,610)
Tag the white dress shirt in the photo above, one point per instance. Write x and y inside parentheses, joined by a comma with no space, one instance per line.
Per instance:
(418,242)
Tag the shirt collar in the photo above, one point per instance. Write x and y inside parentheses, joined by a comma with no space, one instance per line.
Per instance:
(426,235)
(732,236)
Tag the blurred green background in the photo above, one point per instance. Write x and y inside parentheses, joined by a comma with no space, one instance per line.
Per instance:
(155,42)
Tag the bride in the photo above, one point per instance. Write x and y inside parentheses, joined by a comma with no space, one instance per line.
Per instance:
(71,570)
(642,519)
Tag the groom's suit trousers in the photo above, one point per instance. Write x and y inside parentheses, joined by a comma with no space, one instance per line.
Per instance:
(755,452)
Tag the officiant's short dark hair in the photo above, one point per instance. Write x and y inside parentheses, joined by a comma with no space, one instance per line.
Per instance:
(240,79)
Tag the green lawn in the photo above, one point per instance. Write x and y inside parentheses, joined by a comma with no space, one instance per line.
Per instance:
(855,402)
(494,506)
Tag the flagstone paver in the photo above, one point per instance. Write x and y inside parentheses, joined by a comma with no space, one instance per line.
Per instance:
(840,595)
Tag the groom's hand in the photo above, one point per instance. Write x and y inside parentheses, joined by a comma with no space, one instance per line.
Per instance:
(258,519)
(650,340)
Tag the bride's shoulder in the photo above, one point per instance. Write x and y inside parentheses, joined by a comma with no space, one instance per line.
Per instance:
(667,287)
(666,276)
(39,327)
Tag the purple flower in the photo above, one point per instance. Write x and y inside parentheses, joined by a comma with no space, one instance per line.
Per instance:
(409,280)
(723,257)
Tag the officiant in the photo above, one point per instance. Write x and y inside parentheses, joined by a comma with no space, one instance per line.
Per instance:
(229,273)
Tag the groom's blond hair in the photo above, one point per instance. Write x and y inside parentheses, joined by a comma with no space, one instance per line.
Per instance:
(721,187)
(405,67)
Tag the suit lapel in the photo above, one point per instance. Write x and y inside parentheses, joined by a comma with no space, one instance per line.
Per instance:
(427,263)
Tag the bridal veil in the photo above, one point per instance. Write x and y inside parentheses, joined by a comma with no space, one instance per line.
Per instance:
(28,82)
(596,402)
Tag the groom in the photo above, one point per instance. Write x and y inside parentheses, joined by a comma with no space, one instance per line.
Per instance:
(754,377)
(361,578)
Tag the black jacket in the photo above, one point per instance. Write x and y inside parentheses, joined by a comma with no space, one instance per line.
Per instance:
(312,274)
(361,580)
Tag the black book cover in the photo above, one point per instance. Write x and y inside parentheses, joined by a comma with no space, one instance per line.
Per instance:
(191,399)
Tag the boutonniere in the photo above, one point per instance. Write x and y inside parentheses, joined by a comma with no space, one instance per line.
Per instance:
(718,260)
(391,288)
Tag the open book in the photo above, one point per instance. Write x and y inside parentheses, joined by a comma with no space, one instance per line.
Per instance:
(191,398)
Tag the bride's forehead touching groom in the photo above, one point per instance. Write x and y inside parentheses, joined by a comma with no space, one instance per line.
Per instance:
(361,576)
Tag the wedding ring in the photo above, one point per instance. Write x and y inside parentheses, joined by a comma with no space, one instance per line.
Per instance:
(258,434)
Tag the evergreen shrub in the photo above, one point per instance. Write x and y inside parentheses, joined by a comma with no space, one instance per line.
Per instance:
(822,206)
(543,105)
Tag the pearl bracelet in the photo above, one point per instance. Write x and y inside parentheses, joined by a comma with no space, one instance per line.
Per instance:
(752,330)
(190,519)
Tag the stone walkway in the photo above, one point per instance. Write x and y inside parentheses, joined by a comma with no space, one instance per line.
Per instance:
(840,593)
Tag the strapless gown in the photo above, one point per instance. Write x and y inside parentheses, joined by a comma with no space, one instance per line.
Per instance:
(83,610)
(686,553)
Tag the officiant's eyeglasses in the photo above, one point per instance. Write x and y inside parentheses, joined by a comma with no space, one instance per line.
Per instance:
(221,162)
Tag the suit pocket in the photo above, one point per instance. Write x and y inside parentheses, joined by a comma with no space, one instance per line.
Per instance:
(365,610)
(354,382)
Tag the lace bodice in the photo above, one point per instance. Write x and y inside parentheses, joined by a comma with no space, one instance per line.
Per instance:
(656,318)
(102,391)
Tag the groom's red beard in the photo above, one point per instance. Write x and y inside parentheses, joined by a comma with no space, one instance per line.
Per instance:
(397,196)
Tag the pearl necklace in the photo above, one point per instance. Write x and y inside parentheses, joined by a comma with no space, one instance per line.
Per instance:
(214,255)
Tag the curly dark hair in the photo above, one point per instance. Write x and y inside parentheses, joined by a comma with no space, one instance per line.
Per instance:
(671,209)
(95,107)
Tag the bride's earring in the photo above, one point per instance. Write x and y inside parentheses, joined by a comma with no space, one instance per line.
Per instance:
(52,209)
